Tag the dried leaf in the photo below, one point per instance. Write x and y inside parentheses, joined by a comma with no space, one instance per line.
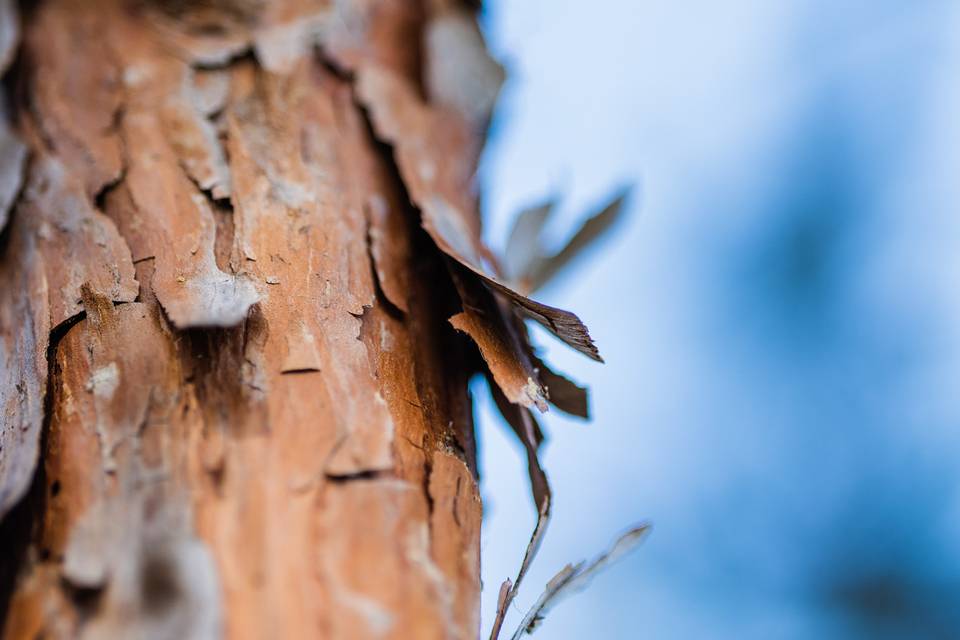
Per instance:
(574,578)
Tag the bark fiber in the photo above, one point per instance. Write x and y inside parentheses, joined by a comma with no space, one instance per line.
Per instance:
(238,240)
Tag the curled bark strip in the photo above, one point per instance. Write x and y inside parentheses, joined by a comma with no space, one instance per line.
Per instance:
(278,427)
(436,156)
(433,152)
(562,392)
(574,578)
(507,370)
(385,33)
(525,427)
(523,242)
(503,601)
(544,267)
(501,339)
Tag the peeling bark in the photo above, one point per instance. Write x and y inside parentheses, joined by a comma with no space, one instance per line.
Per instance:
(576,577)
(13,155)
(234,401)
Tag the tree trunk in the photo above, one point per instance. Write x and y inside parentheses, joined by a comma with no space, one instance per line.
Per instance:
(233,400)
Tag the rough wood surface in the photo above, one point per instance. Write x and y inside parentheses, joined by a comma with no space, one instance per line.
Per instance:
(233,399)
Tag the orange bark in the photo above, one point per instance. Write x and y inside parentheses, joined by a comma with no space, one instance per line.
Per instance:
(233,401)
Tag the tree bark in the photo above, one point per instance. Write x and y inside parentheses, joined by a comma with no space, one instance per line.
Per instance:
(233,400)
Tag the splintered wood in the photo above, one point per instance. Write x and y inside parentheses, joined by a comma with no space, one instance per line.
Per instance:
(242,292)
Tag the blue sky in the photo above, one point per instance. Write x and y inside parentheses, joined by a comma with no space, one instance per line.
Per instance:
(780,313)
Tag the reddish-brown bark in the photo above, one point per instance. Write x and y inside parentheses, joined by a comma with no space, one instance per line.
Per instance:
(233,401)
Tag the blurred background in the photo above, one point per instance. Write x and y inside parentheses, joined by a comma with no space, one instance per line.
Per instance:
(779,312)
